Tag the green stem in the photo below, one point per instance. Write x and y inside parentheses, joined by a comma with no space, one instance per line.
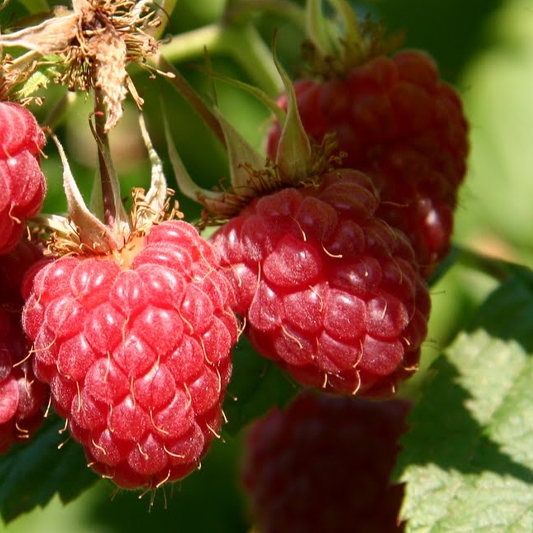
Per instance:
(192,44)
(256,59)
(498,269)
(242,9)
(243,43)
(166,7)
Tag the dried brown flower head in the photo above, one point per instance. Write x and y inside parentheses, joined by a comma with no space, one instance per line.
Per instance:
(93,43)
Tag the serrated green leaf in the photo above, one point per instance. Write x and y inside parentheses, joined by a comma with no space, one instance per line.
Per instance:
(31,474)
(256,386)
(468,460)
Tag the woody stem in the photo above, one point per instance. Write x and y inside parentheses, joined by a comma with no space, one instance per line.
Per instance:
(105,178)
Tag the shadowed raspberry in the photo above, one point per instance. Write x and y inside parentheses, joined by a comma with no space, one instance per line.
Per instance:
(323,465)
(22,397)
(398,122)
(329,291)
(137,354)
(22,183)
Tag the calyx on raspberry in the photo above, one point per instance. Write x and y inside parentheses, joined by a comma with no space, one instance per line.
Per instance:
(132,329)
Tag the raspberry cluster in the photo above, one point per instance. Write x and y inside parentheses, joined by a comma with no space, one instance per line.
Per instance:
(131,345)
(330,271)
(125,328)
(22,186)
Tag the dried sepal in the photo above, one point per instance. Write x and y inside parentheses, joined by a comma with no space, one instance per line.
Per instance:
(155,205)
(299,161)
(52,36)
(20,79)
(215,201)
(92,235)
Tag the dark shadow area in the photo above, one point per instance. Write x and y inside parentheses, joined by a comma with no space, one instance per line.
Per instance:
(257,385)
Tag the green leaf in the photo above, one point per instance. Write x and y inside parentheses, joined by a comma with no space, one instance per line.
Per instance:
(31,474)
(257,385)
(38,80)
(468,460)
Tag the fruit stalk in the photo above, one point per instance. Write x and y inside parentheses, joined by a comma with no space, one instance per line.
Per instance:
(103,140)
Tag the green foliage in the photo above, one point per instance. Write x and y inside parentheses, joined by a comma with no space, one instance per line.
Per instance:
(31,474)
(256,386)
(468,460)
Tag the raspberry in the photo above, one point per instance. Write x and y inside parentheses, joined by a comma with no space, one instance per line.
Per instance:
(329,291)
(22,397)
(398,122)
(136,352)
(22,183)
(324,464)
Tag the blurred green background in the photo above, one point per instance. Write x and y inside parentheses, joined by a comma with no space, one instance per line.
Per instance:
(484,47)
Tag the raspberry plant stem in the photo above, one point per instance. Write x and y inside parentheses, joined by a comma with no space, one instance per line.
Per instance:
(497,269)
(166,7)
(241,9)
(242,42)
(108,200)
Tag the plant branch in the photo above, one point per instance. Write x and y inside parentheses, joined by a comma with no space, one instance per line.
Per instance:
(241,10)
(498,269)
(241,42)
(108,199)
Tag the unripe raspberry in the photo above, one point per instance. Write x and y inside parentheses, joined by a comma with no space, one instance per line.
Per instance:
(324,465)
(396,120)
(329,291)
(22,183)
(136,349)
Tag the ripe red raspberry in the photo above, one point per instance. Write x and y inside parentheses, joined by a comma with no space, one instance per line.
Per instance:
(22,397)
(136,349)
(22,183)
(400,123)
(324,465)
(329,291)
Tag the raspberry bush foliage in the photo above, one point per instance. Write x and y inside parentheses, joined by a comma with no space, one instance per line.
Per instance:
(265,266)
